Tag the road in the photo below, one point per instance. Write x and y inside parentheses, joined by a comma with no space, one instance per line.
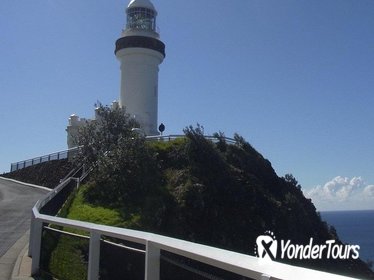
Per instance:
(16,202)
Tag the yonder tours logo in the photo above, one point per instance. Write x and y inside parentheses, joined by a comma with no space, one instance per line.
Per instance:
(269,248)
(266,246)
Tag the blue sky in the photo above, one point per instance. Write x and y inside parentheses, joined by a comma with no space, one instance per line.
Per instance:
(293,77)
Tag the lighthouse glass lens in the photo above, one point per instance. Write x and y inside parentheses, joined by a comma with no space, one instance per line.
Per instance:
(141,18)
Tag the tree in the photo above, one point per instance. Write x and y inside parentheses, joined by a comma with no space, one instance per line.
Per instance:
(97,138)
(123,169)
(289,178)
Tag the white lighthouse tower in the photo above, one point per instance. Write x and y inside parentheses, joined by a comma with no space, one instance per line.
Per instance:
(140,53)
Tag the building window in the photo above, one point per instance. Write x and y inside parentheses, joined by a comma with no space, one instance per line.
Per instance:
(141,18)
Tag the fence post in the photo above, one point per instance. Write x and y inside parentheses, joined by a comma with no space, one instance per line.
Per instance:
(31,233)
(94,256)
(36,242)
(78,182)
(152,262)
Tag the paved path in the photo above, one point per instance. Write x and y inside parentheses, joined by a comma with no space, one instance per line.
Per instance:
(16,202)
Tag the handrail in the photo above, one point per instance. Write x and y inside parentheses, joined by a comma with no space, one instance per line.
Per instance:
(45,158)
(238,263)
(172,137)
(66,153)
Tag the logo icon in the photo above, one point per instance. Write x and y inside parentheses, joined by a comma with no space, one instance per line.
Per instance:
(266,246)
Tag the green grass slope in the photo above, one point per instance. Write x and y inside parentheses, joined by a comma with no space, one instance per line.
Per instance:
(219,194)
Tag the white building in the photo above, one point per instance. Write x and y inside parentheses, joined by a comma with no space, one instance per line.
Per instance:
(72,129)
(140,53)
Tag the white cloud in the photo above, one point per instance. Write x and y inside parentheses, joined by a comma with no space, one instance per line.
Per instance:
(342,193)
(369,191)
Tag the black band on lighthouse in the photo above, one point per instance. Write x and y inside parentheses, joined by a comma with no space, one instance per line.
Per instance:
(140,42)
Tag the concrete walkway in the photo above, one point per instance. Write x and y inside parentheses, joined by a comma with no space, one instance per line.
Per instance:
(15,263)
(16,201)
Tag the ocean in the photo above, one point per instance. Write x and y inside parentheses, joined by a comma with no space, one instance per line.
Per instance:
(355,228)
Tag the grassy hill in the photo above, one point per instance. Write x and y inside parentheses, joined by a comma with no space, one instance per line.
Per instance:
(218,194)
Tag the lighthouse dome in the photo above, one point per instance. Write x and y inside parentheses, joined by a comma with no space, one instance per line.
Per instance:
(141,4)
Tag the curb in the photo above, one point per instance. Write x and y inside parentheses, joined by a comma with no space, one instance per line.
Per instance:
(12,261)
(26,184)
(22,267)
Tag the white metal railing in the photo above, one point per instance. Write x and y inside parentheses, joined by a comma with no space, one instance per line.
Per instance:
(69,152)
(241,264)
(37,160)
(178,136)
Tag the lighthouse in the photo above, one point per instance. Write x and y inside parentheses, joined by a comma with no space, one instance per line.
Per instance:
(140,52)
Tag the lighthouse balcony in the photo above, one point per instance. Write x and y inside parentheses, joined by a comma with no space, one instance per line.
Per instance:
(140,42)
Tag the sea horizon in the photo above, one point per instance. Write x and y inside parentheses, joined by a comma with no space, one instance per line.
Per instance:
(354,227)
(323,211)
